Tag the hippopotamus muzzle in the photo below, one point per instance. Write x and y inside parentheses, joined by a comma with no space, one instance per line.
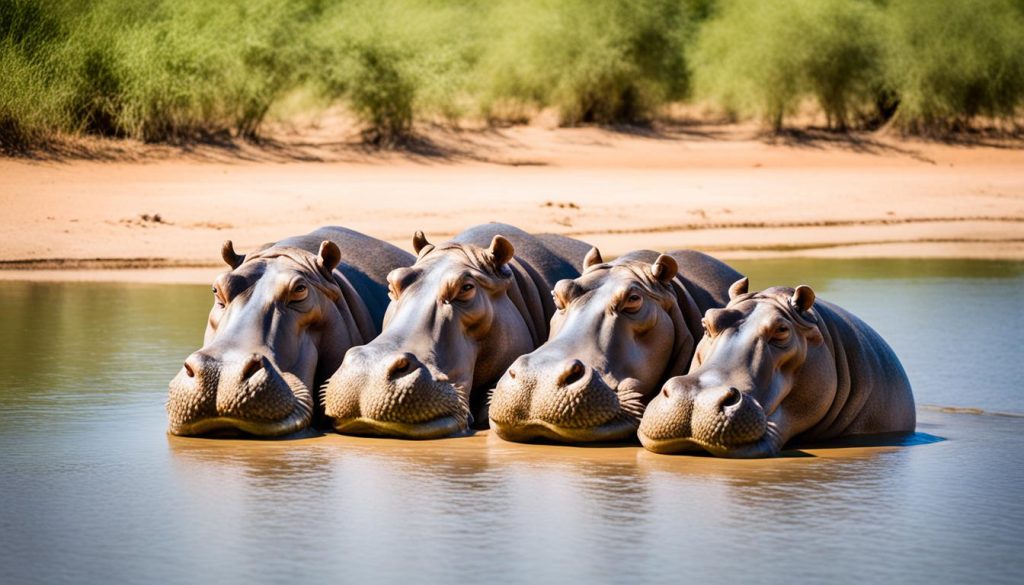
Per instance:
(688,417)
(236,391)
(393,394)
(564,401)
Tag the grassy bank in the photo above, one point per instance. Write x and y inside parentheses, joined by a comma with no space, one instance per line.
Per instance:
(168,71)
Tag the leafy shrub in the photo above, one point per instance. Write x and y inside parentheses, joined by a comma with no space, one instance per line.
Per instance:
(393,61)
(951,61)
(603,61)
(764,58)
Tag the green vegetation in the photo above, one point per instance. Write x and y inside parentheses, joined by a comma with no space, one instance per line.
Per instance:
(182,70)
(766,58)
(951,61)
(603,61)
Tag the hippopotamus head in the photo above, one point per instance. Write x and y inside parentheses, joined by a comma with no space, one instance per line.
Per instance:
(616,334)
(278,326)
(759,376)
(450,328)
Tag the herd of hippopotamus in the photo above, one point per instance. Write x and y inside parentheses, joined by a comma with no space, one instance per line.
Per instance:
(537,337)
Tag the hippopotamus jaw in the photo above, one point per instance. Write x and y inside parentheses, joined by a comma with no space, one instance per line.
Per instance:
(767,445)
(444,426)
(299,418)
(669,446)
(620,428)
(204,419)
(417,405)
(620,425)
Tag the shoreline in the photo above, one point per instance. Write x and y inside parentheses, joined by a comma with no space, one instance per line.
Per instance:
(156,214)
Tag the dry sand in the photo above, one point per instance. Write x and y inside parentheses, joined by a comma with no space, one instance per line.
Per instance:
(722,189)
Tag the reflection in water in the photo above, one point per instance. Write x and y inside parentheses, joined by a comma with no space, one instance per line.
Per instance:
(94,491)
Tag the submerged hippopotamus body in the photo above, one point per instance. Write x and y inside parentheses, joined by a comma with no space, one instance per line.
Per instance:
(282,319)
(459,316)
(776,366)
(621,330)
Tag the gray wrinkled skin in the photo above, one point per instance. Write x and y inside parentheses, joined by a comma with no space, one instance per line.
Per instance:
(622,328)
(459,316)
(775,367)
(282,319)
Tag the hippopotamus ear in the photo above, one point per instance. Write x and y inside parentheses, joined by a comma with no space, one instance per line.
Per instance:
(501,250)
(227,252)
(593,258)
(665,268)
(740,287)
(329,256)
(420,243)
(803,298)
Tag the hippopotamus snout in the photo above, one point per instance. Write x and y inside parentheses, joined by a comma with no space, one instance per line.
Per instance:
(558,399)
(241,391)
(385,392)
(689,416)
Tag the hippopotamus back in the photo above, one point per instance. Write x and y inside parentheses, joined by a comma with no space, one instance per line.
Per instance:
(873,393)
(776,366)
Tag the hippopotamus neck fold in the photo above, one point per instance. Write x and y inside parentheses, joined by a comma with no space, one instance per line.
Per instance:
(357,317)
(855,347)
(535,308)
(682,349)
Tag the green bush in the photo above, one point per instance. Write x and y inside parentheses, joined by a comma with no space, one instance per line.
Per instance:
(954,60)
(173,70)
(28,111)
(394,61)
(763,58)
(603,61)
(195,69)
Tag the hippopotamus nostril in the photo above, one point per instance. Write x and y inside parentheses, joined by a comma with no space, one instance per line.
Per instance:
(512,373)
(573,372)
(196,365)
(401,366)
(252,366)
(664,391)
(730,398)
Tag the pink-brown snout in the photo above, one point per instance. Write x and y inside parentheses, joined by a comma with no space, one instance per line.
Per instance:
(381,390)
(234,390)
(559,399)
(687,415)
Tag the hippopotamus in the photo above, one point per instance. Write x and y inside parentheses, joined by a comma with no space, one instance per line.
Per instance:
(621,330)
(283,317)
(777,366)
(458,317)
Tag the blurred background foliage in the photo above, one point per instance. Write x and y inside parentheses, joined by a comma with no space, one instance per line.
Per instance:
(181,70)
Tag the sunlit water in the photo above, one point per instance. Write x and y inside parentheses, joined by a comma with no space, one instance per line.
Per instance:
(93,491)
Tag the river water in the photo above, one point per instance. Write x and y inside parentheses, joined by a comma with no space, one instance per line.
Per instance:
(93,491)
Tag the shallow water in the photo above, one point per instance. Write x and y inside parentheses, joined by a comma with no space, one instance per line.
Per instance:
(92,490)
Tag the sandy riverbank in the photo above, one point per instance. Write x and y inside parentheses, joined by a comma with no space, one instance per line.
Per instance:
(161,214)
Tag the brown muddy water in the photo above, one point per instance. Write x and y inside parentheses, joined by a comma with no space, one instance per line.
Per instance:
(93,491)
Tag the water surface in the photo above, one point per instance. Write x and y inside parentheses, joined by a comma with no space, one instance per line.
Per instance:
(93,491)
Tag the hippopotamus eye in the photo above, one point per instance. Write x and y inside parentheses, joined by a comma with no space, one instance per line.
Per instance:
(466,292)
(781,335)
(299,293)
(216,299)
(632,303)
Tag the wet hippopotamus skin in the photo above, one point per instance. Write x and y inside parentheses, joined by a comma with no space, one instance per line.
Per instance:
(621,330)
(282,319)
(458,317)
(778,366)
